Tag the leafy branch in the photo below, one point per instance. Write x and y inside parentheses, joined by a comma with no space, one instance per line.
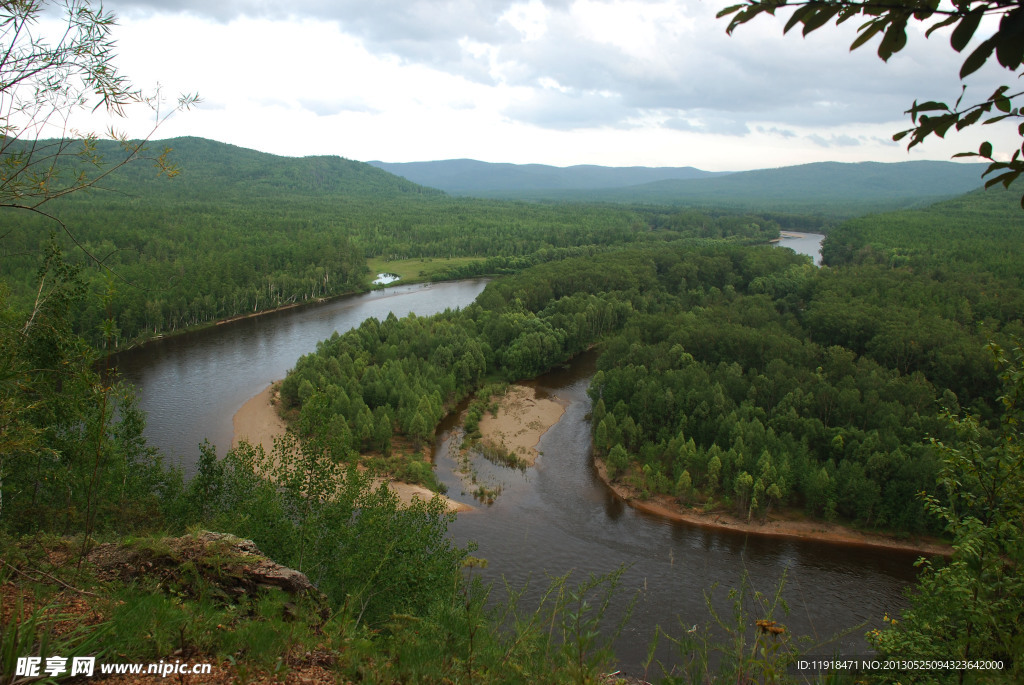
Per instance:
(888,21)
(44,81)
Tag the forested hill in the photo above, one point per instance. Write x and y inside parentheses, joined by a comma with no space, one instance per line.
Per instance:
(474,178)
(977,233)
(239,231)
(215,170)
(832,189)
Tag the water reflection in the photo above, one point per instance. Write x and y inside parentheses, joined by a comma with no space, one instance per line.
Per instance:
(386,279)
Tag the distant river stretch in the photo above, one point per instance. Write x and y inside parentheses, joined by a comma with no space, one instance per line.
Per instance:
(803,243)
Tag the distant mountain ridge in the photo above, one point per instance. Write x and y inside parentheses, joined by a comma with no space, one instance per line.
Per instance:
(834,189)
(214,171)
(472,177)
(839,180)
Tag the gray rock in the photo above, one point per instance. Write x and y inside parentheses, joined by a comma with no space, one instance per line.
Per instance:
(220,562)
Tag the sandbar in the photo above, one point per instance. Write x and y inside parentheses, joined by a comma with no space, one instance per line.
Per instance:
(521,420)
(258,422)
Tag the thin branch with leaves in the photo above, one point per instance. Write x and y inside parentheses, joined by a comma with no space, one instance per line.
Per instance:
(888,20)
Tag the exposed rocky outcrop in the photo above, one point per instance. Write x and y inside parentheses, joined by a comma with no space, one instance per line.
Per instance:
(207,562)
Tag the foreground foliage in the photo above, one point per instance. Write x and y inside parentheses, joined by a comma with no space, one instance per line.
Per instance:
(72,454)
(970,608)
(366,551)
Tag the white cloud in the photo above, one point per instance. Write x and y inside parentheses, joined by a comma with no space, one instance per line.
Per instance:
(567,109)
(834,140)
(529,19)
(654,82)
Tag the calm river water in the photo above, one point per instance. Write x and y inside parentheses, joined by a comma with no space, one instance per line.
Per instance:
(551,519)
(191,385)
(803,243)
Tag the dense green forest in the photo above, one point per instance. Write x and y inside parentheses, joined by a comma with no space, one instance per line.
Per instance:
(965,235)
(820,387)
(240,231)
(742,378)
(719,365)
(738,374)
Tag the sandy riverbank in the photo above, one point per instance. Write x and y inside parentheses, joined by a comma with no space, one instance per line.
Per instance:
(521,420)
(258,423)
(669,508)
(788,234)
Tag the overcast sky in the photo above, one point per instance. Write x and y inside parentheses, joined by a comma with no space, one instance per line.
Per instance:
(632,82)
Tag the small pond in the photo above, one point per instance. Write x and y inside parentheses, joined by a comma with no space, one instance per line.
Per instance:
(386,279)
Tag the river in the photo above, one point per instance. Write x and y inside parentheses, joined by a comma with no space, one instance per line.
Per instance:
(803,243)
(550,519)
(559,516)
(192,384)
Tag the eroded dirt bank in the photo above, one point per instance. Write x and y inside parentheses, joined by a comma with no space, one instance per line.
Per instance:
(669,507)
